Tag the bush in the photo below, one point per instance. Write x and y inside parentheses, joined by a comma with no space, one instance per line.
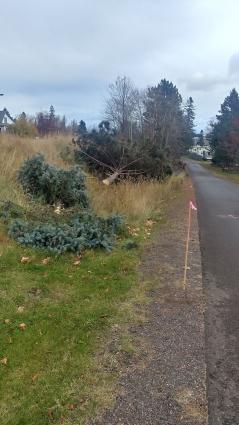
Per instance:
(53,185)
(23,128)
(83,232)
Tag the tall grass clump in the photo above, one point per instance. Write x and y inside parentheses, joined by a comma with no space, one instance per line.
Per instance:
(15,150)
(135,200)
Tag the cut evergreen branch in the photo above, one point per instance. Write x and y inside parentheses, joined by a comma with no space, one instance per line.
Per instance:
(53,185)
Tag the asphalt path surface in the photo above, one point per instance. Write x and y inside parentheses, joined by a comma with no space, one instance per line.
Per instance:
(218,214)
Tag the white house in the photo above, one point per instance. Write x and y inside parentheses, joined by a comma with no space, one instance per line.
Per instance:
(5,120)
(201,151)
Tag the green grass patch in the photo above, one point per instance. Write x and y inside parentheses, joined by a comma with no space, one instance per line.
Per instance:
(52,371)
(218,172)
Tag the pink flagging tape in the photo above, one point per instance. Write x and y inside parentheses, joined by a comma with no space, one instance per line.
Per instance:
(192,206)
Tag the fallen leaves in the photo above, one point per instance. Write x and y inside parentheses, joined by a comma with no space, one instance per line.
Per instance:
(25,260)
(4,360)
(133,231)
(148,227)
(22,326)
(72,406)
(35,377)
(50,413)
(77,261)
(46,261)
(150,223)
(20,309)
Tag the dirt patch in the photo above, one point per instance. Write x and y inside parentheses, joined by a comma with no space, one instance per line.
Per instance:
(171,387)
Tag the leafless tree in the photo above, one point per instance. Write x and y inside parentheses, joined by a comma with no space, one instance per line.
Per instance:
(121,105)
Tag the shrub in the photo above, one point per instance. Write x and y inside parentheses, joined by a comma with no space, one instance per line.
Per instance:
(23,128)
(51,184)
(83,232)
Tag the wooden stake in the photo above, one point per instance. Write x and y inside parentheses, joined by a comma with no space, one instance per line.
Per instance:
(187,248)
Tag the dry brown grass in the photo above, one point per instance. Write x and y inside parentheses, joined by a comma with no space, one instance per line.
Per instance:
(15,149)
(136,201)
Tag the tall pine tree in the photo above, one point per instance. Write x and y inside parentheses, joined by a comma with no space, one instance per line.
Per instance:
(189,117)
(224,135)
(163,117)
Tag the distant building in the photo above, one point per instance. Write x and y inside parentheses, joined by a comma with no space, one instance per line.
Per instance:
(202,152)
(5,120)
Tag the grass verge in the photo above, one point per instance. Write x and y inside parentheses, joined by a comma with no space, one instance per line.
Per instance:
(217,171)
(54,319)
(64,336)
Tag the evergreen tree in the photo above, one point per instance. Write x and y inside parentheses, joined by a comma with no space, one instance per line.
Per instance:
(224,135)
(104,126)
(201,138)
(52,120)
(82,130)
(163,117)
(52,113)
(189,116)
(23,116)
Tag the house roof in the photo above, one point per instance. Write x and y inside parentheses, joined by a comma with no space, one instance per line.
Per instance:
(2,115)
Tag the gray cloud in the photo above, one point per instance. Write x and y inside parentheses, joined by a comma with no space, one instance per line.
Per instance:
(234,65)
(67,52)
(204,82)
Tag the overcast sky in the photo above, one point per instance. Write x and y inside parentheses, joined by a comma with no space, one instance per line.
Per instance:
(66,53)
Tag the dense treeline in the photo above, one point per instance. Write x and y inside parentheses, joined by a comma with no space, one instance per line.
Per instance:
(43,124)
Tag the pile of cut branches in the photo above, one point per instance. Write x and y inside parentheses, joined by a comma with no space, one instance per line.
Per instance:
(51,225)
